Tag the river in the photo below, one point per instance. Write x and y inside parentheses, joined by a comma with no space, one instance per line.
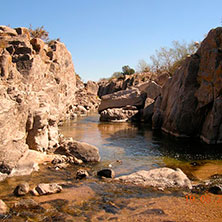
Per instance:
(126,148)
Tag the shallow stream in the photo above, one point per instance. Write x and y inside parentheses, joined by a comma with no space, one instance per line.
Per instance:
(126,148)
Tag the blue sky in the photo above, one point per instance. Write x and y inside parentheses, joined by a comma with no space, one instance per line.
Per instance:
(104,35)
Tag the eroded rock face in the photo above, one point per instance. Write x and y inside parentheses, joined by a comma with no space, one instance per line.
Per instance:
(162,178)
(37,85)
(190,104)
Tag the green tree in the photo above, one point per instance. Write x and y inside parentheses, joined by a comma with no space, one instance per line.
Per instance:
(126,70)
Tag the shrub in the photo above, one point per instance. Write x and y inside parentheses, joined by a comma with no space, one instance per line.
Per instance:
(169,59)
(39,32)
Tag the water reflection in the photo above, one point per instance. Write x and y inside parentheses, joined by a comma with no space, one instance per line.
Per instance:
(136,145)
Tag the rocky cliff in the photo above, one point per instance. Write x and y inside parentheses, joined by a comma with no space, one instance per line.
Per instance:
(191,101)
(124,82)
(37,87)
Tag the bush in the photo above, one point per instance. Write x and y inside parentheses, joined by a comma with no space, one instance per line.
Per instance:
(39,32)
(126,70)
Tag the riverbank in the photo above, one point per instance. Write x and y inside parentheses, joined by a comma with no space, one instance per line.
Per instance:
(95,199)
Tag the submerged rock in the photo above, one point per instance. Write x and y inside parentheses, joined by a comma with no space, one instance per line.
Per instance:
(81,173)
(108,173)
(47,188)
(21,189)
(161,178)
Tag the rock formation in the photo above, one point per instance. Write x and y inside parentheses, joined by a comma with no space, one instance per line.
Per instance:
(37,86)
(86,98)
(124,82)
(160,178)
(190,104)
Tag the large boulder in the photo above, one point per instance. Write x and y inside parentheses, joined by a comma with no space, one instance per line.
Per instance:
(122,98)
(151,89)
(160,178)
(79,150)
(92,87)
(118,115)
(190,104)
(37,85)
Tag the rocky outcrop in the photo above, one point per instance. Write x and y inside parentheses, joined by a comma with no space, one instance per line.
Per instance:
(162,178)
(132,97)
(130,104)
(86,99)
(119,114)
(37,86)
(190,104)
(124,82)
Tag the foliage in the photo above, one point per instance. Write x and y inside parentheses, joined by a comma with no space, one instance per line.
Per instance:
(126,70)
(143,66)
(169,59)
(116,75)
(39,32)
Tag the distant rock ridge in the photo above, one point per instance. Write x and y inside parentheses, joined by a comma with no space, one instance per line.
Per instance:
(190,104)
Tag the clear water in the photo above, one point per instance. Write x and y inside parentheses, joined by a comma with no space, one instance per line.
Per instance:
(130,147)
(126,148)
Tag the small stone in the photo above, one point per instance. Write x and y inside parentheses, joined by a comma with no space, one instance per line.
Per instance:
(108,173)
(34,192)
(50,188)
(3,208)
(216,189)
(21,189)
(81,173)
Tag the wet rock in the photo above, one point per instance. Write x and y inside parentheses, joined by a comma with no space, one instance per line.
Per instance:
(22,189)
(161,178)
(45,189)
(108,173)
(27,204)
(81,173)
(3,208)
(216,189)
(79,150)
